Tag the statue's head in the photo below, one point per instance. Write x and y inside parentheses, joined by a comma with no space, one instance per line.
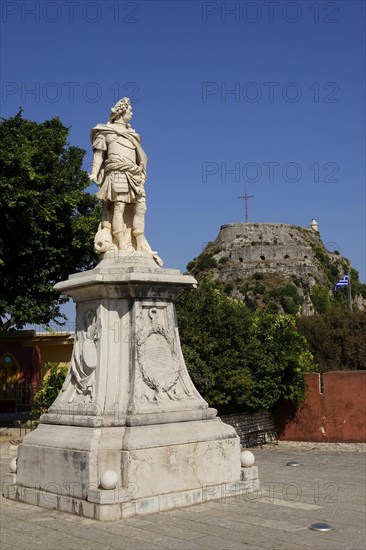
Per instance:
(121,109)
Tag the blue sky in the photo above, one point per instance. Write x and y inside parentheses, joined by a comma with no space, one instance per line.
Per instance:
(267,95)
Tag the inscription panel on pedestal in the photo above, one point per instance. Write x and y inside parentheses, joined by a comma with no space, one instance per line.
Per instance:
(158,359)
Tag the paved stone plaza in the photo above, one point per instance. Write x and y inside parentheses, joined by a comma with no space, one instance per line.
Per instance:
(329,487)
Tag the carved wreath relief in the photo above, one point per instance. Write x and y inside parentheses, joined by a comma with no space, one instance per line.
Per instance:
(159,361)
(79,384)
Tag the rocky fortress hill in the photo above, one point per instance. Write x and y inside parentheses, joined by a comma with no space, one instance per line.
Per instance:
(278,266)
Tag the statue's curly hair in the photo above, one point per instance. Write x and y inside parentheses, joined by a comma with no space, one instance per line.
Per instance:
(120,108)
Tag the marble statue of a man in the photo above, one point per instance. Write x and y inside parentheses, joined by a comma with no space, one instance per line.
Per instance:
(119,168)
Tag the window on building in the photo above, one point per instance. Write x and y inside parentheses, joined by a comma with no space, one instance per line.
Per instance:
(9,376)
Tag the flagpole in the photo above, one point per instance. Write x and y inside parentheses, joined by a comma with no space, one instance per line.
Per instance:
(349,293)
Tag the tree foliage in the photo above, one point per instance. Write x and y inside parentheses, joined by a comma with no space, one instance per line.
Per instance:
(336,339)
(284,358)
(202,263)
(239,360)
(215,334)
(321,299)
(48,221)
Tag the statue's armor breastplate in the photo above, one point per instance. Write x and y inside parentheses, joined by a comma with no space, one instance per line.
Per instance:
(118,145)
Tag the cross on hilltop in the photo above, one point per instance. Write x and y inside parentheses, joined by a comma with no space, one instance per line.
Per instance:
(246,197)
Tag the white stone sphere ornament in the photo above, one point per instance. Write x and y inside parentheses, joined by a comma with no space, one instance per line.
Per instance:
(247,459)
(108,479)
(13,465)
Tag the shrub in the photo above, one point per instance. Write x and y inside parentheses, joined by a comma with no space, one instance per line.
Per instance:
(224,259)
(53,377)
(320,298)
(289,305)
(259,288)
(201,263)
(229,287)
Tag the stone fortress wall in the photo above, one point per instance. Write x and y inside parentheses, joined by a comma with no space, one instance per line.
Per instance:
(269,247)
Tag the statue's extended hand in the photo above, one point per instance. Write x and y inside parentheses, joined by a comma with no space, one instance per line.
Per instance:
(93,178)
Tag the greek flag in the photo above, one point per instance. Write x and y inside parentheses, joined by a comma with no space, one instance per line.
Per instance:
(342,282)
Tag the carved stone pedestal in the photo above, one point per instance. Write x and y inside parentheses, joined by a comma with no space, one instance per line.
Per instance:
(129,433)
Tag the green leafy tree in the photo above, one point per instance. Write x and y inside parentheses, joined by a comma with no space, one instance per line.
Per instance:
(336,339)
(48,221)
(285,358)
(239,360)
(216,342)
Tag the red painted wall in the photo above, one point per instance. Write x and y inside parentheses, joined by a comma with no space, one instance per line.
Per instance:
(338,414)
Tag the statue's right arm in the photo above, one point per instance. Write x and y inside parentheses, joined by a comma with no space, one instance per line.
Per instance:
(99,148)
(97,163)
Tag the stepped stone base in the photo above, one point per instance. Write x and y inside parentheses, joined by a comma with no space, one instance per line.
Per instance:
(112,509)
(159,468)
(129,433)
